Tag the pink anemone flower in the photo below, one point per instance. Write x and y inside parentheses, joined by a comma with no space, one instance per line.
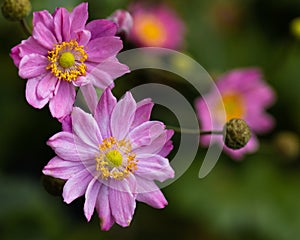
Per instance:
(64,53)
(156,26)
(244,95)
(113,158)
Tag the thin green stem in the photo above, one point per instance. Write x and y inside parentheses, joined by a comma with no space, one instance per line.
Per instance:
(194,131)
(25,27)
(216,132)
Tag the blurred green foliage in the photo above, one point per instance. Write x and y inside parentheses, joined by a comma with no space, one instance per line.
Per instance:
(257,198)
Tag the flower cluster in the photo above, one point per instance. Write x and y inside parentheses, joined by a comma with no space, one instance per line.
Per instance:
(114,154)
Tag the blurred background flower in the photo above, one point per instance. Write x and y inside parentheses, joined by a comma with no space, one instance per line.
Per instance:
(245,95)
(257,198)
(156,25)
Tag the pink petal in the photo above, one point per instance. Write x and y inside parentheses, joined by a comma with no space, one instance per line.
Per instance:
(43,17)
(30,46)
(81,81)
(101,28)
(76,186)
(33,65)
(260,95)
(143,112)
(154,147)
(103,208)
(145,133)
(102,48)
(62,169)
(150,194)
(82,37)
(71,148)
(122,116)
(168,145)
(122,206)
(15,54)
(154,167)
(90,95)
(123,20)
(97,77)
(113,67)
(103,112)
(85,127)
(78,17)
(31,96)
(62,25)
(66,123)
(91,196)
(44,36)
(62,102)
(26,47)
(47,86)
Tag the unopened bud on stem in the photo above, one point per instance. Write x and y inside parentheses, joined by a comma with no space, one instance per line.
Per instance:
(15,10)
(236,133)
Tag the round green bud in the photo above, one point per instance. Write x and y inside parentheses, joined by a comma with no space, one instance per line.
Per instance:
(15,10)
(236,133)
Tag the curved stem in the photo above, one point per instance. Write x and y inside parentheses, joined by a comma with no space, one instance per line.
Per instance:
(195,131)
(25,27)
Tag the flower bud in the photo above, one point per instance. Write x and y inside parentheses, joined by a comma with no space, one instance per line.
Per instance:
(53,186)
(287,144)
(15,10)
(123,20)
(236,133)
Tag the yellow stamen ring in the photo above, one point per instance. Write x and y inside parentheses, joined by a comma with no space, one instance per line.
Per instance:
(116,159)
(67,61)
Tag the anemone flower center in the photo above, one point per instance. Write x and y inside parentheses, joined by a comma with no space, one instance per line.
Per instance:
(115,159)
(150,30)
(66,61)
(234,105)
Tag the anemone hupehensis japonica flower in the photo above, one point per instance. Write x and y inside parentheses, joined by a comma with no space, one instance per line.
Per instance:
(244,95)
(156,26)
(64,53)
(113,158)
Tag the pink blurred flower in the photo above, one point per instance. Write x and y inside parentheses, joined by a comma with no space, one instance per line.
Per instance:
(113,158)
(156,26)
(245,95)
(63,53)
(124,21)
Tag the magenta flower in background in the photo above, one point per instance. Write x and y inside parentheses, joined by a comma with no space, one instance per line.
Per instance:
(245,95)
(113,158)
(63,53)
(156,26)
(124,21)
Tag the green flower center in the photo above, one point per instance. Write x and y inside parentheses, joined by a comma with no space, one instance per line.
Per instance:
(66,60)
(114,157)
